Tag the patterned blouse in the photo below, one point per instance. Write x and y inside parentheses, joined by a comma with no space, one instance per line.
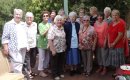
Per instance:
(10,35)
(86,38)
(58,37)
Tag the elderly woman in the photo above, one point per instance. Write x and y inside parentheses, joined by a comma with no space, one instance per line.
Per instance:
(14,41)
(116,33)
(44,56)
(72,30)
(107,15)
(31,33)
(87,43)
(57,44)
(101,30)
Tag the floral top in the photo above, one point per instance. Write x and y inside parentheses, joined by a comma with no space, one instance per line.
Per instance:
(15,35)
(58,37)
(86,38)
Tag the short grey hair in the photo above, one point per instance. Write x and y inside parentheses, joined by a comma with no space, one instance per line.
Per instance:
(107,9)
(71,14)
(86,17)
(57,18)
(29,14)
(18,10)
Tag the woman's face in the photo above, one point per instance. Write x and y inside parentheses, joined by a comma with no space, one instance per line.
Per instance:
(29,20)
(86,22)
(53,14)
(115,16)
(100,18)
(72,18)
(59,22)
(45,17)
(106,14)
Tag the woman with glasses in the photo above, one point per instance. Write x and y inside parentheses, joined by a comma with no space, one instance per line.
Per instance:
(44,56)
(87,43)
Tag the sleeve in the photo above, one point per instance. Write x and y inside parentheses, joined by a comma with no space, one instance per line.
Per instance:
(51,33)
(121,27)
(42,29)
(5,35)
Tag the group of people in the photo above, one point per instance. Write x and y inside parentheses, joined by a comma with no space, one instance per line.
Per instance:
(63,41)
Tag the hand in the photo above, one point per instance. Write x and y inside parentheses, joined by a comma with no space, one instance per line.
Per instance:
(53,52)
(112,45)
(5,51)
(93,48)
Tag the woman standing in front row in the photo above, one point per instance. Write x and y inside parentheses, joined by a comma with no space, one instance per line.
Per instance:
(44,56)
(116,33)
(87,43)
(72,30)
(101,30)
(57,45)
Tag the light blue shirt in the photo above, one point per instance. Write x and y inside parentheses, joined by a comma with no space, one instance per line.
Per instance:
(74,38)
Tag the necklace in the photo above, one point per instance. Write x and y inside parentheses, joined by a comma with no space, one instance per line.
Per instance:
(84,30)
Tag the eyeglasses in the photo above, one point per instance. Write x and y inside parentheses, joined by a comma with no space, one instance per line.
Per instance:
(86,20)
(45,15)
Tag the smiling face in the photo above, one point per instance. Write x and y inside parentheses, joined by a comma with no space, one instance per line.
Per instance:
(115,15)
(100,18)
(72,18)
(29,20)
(53,14)
(59,22)
(17,15)
(86,21)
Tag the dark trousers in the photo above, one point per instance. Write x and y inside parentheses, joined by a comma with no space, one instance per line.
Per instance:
(30,58)
(57,63)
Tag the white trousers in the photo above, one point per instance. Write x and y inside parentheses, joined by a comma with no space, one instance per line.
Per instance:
(44,58)
(17,60)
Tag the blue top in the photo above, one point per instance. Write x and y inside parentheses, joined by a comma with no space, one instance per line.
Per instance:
(71,31)
(74,39)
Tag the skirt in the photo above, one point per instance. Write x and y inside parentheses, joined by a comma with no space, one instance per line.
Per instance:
(73,56)
(115,57)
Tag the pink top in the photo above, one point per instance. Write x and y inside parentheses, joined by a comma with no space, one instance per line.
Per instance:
(101,30)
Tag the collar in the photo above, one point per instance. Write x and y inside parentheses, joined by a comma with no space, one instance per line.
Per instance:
(61,28)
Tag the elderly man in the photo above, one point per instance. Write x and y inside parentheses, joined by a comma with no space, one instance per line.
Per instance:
(30,57)
(14,41)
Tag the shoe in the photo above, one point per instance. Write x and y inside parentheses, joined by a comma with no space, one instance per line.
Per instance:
(62,76)
(72,73)
(30,76)
(57,78)
(99,70)
(42,74)
(87,74)
(103,72)
(33,74)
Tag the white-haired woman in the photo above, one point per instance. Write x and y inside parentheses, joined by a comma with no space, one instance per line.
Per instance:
(57,45)
(31,33)
(72,30)
(107,15)
(14,41)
